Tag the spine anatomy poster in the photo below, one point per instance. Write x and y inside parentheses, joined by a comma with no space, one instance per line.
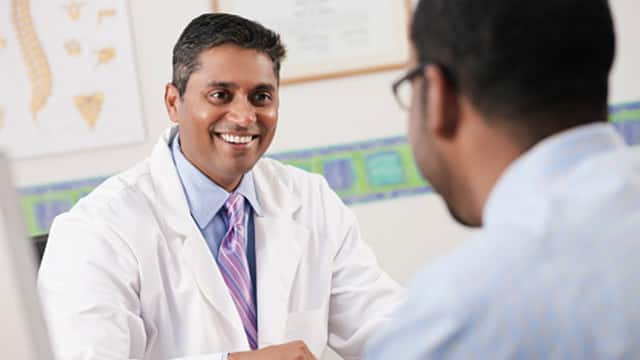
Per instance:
(69,80)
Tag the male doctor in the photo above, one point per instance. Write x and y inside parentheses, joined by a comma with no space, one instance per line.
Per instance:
(204,250)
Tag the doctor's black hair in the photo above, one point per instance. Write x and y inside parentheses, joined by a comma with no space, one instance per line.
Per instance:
(209,30)
(523,61)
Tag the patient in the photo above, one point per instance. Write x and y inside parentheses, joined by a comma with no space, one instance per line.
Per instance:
(507,120)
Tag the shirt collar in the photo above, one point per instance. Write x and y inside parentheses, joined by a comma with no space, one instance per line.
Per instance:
(528,178)
(204,196)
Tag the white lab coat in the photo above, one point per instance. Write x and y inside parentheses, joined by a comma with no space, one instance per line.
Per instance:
(128,275)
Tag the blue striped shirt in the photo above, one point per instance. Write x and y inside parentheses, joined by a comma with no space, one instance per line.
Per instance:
(553,274)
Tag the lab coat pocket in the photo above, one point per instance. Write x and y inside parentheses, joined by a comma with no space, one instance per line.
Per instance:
(310,327)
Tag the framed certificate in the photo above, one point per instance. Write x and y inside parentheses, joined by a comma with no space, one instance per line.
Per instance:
(332,38)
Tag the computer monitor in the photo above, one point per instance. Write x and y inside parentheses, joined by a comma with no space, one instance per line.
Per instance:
(23,333)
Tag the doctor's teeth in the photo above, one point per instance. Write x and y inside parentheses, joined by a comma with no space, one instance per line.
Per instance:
(236,139)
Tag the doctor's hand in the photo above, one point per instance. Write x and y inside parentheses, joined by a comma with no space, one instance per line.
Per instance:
(295,350)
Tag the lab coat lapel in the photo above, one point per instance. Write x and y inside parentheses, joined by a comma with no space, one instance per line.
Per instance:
(278,251)
(205,270)
(280,243)
(196,254)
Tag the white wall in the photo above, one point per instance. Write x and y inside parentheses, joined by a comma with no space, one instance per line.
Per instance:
(624,78)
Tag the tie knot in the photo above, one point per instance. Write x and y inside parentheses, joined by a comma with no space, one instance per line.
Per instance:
(234,204)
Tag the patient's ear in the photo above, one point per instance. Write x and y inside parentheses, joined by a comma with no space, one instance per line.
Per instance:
(443,105)
(172,101)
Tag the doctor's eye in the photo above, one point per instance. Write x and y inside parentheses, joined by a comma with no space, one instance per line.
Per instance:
(261,98)
(219,96)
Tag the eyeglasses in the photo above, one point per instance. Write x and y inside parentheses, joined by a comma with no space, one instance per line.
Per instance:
(402,89)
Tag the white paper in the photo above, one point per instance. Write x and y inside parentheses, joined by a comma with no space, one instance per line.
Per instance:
(332,36)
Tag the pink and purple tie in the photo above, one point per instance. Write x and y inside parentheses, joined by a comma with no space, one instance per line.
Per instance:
(232,261)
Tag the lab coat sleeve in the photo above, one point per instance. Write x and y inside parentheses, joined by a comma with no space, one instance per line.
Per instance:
(89,284)
(362,294)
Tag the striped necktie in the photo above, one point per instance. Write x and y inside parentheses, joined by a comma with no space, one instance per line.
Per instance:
(232,261)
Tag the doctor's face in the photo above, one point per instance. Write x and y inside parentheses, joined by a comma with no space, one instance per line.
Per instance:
(228,113)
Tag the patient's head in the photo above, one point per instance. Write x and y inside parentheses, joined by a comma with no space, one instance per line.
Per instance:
(493,78)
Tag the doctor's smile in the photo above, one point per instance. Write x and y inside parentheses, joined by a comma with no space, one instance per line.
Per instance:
(237,139)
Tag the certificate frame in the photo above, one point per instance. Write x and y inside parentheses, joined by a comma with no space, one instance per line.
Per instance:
(402,15)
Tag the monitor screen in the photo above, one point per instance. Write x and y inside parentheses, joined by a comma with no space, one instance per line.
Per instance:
(23,333)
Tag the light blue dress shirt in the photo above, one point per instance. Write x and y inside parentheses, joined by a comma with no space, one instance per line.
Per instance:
(553,274)
(206,201)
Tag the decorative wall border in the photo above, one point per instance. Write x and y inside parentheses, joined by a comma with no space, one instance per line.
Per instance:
(359,172)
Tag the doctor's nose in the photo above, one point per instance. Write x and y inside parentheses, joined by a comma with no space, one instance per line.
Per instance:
(242,112)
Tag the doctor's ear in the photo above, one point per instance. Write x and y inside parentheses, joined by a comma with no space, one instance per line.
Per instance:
(443,107)
(172,101)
